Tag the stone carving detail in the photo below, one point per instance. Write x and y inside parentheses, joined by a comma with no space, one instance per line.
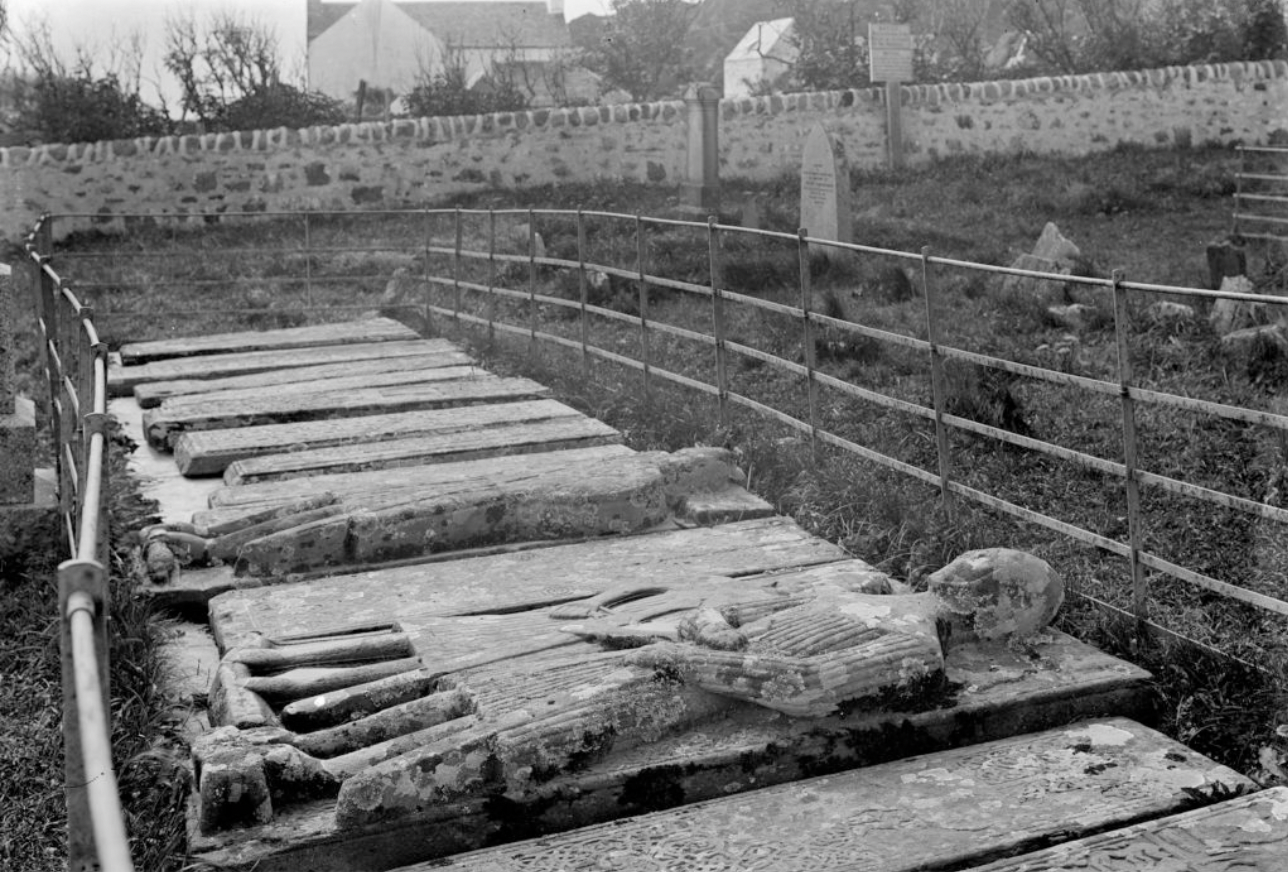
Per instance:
(803,649)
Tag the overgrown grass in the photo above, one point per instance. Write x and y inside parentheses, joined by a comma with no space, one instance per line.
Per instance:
(1149,213)
(149,757)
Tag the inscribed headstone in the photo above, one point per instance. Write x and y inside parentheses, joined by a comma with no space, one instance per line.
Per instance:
(825,187)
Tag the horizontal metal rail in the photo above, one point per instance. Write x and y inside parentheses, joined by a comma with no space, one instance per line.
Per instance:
(75,363)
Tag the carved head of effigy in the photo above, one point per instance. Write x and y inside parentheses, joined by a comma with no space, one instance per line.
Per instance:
(1000,593)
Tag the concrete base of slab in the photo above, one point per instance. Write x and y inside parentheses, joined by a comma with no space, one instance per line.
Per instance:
(18,448)
(33,526)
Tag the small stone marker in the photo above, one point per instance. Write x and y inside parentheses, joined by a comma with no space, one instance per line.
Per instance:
(825,188)
(1225,259)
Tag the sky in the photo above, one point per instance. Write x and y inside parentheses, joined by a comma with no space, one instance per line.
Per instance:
(98,24)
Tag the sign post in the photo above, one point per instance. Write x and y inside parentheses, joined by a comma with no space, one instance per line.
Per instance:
(890,61)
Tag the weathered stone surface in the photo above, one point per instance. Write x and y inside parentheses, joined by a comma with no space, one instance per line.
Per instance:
(121,379)
(1052,245)
(165,423)
(1031,285)
(525,438)
(510,580)
(344,333)
(407,512)
(952,809)
(1227,316)
(1225,259)
(1076,317)
(1243,345)
(18,448)
(1248,833)
(1164,311)
(208,452)
(150,394)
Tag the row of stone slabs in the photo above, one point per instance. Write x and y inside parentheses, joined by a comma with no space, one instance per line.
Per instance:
(1024,778)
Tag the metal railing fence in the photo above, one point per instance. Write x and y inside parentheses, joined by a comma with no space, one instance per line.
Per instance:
(1261,194)
(487,270)
(75,364)
(1130,395)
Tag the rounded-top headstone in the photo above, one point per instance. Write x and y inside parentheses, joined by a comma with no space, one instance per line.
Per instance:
(825,187)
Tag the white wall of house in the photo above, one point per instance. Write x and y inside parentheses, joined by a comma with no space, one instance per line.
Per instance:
(765,53)
(375,42)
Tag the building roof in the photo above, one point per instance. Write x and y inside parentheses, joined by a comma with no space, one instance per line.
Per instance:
(465,24)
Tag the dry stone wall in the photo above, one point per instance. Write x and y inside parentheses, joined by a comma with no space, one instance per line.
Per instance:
(412,163)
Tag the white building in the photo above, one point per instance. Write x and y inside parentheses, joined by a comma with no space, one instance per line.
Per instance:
(765,53)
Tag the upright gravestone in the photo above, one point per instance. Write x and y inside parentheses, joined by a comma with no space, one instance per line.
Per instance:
(825,188)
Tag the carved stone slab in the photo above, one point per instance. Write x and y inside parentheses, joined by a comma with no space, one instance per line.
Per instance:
(945,810)
(209,452)
(554,434)
(163,424)
(1247,834)
(391,514)
(121,380)
(343,333)
(970,804)
(510,580)
(150,394)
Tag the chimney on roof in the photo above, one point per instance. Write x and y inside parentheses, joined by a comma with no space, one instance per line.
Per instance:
(556,7)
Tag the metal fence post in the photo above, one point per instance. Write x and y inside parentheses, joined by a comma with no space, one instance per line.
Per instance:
(582,287)
(645,357)
(532,287)
(1140,602)
(86,578)
(491,278)
(718,319)
(807,339)
(938,386)
(308,265)
(456,270)
(427,293)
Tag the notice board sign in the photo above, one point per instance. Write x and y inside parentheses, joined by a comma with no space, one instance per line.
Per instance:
(890,52)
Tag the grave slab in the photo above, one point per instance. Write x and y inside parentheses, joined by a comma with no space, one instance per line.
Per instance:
(992,693)
(342,333)
(121,379)
(165,423)
(1246,834)
(209,452)
(525,438)
(946,810)
(459,582)
(392,514)
(150,394)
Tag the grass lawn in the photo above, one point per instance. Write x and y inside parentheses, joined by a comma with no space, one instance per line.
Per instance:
(1149,213)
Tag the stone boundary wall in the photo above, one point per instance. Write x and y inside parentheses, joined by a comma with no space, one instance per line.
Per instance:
(415,162)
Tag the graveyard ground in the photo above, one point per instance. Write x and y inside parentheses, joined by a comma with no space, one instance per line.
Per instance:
(1147,212)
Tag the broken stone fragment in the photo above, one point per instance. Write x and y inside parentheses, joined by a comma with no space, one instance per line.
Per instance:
(242,774)
(1009,594)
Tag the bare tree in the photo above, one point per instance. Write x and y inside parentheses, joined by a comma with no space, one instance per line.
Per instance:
(230,57)
(642,50)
